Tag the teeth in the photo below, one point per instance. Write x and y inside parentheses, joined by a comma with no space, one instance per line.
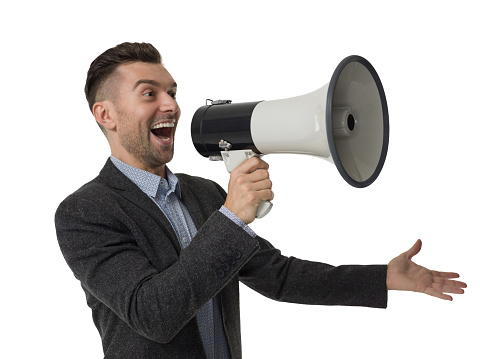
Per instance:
(164,124)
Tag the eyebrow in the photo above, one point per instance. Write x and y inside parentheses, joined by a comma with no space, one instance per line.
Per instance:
(151,82)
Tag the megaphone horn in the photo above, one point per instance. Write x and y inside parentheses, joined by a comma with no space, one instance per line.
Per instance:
(345,122)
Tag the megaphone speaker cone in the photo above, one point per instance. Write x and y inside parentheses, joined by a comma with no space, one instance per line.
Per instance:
(357,121)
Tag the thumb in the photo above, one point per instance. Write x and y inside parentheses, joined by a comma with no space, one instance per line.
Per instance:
(414,250)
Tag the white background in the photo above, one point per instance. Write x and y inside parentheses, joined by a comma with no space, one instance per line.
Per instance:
(426,53)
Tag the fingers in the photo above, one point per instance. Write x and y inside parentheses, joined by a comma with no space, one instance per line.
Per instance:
(451,283)
(449,286)
(251,165)
(255,181)
(448,289)
(438,294)
(441,285)
(445,274)
(443,282)
(266,195)
(257,176)
(253,176)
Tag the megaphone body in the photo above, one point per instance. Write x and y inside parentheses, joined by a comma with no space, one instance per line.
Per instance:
(345,122)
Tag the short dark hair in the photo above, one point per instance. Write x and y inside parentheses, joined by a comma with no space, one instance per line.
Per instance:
(104,65)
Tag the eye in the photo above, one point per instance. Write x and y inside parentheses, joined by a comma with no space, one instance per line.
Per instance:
(173,95)
(148,93)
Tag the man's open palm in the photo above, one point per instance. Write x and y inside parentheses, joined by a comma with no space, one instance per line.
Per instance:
(404,274)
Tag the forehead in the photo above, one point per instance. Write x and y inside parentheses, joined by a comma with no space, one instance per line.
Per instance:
(132,73)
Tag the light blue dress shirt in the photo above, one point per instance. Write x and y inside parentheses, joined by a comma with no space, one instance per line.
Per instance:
(167,195)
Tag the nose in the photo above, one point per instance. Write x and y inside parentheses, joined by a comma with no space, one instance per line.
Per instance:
(168,103)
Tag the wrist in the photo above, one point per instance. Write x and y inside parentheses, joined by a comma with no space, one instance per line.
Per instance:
(237,220)
(389,279)
(238,213)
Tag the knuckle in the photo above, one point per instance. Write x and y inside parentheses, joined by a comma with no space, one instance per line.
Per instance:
(256,160)
(241,180)
(235,172)
(250,197)
(270,194)
(245,187)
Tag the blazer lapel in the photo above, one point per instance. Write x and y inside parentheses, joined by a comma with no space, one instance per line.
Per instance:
(129,190)
(192,205)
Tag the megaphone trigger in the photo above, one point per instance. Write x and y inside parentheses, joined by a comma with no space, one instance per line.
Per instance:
(233,159)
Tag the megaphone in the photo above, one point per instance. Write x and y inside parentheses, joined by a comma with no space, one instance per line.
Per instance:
(345,122)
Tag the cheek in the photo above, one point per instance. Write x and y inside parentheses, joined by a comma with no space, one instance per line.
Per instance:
(137,118)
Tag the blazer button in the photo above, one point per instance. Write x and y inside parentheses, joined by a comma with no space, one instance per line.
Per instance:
(237,254)
(225,267)
(231,261)
(220,273)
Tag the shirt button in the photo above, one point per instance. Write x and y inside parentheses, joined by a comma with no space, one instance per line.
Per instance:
(185,239)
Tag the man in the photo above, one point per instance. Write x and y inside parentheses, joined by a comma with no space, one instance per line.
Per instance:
(160,256)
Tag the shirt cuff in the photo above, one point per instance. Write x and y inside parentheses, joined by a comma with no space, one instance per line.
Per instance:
(229,214)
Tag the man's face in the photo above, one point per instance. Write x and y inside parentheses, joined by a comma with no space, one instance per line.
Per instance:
(146,114)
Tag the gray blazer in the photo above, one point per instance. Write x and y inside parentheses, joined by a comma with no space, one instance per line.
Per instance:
(144,292)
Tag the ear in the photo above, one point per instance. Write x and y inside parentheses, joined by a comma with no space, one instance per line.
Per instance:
(104,113)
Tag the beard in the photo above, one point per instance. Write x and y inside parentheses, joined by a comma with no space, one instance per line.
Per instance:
(135,138)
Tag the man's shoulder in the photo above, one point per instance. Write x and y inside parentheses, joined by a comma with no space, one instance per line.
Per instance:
(97,190)
(94,191)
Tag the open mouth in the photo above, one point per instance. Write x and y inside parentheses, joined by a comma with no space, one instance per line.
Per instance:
(163,130)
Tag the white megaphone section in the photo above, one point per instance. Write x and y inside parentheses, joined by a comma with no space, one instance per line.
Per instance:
(277,128)
(345,122)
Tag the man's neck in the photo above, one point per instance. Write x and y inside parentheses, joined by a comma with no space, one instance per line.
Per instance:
(129,160)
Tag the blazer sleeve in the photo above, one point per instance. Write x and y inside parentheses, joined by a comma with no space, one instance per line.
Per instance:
(99,244)
(290,279)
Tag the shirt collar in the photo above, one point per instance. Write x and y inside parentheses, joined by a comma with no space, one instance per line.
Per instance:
(151,184)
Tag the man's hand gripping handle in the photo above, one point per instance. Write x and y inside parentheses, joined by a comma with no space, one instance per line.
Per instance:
(232,160)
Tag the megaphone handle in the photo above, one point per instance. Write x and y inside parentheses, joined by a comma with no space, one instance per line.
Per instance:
(264,208)
(235,158)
